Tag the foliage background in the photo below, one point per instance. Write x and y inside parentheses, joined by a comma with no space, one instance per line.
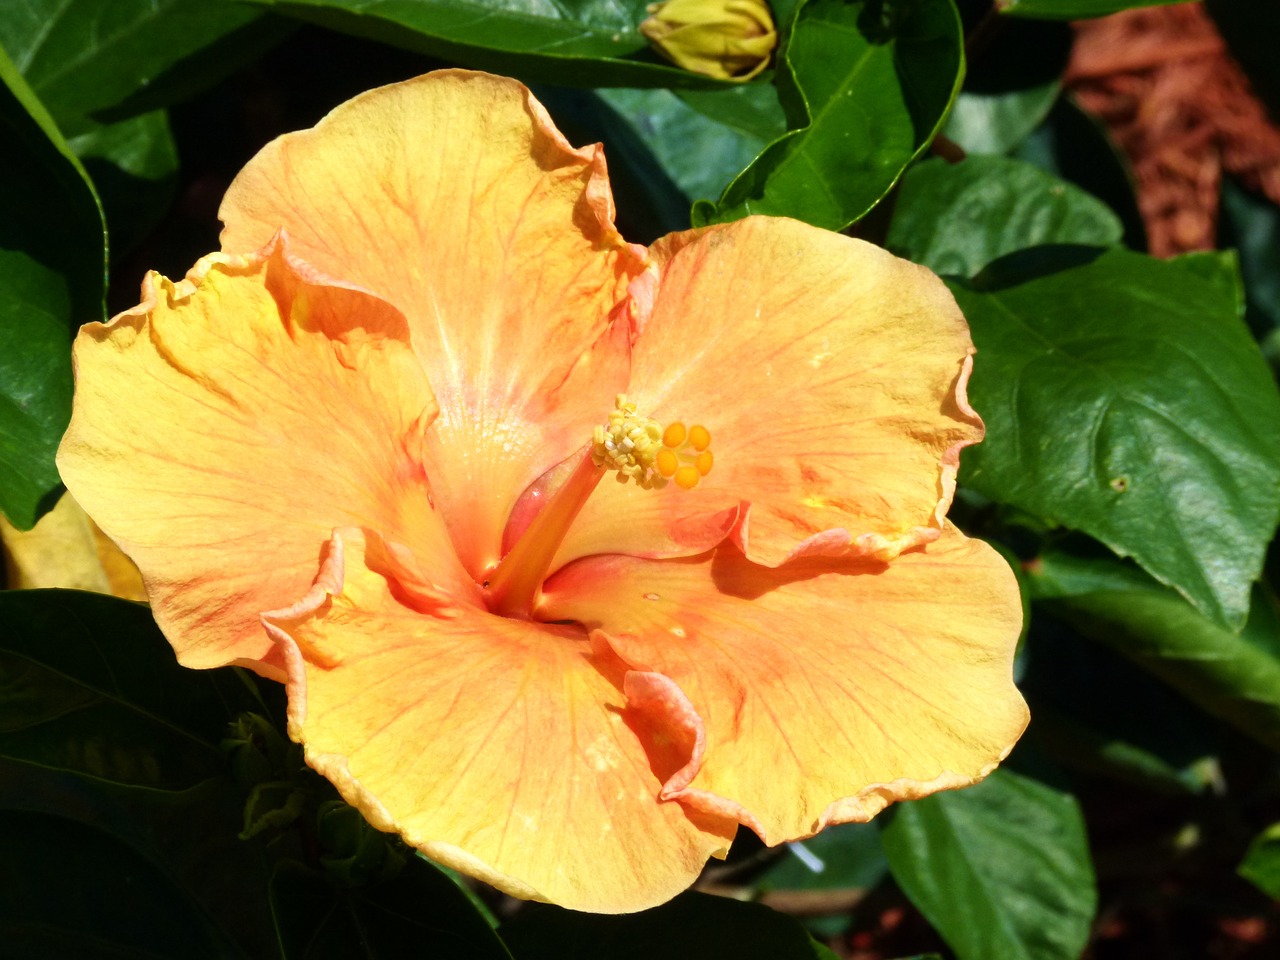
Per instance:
(1131,473)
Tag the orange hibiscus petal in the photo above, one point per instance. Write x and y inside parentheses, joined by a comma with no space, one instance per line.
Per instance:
(224,426)
(495,746)
(454,198)
(832,377)
(818,692)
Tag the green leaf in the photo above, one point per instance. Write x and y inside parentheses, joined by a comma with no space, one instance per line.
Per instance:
(420,912)
(107,59)
(1000,870)
(957,218)
(1011,87)
(90,687)
(1091,709)
(752,109)
(1232,676)
(1251,223)
(1261,864)
(1125,398)
(568,42)
(699,153)
(52,272)
(847,856)
(995,123)
(707,927)
(649,202)
(1076,147)
(1072,9)
(70,890)
(134,165)
(865,86)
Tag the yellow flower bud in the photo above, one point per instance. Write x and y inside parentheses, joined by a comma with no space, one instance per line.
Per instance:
(726,39)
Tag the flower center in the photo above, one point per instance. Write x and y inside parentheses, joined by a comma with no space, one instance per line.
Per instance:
(633,447)
(642,450)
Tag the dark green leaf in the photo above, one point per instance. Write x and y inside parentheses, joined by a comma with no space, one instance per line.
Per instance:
(1124,398)
(957,218)
(90,686)
(693,926)
(1011,85)
(52,260)
(1076,147)
(1261,865)
(133,164)
(1072,9)
(1251,224)
(846,856)
(649,202)
(568,42)
(1075,744)
(1232,676)
(1091,709)
(700,154)
(69,890)
(1000,870)
(418,913)
(995,123)
(865,86)
(182,834)
(751,109)
(106,59)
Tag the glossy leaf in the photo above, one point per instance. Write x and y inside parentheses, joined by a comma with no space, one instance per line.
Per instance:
(70,890)
(957,218)
(693,926)
(650,204)
(1229,675)
(91,687)
(575,43)
(107,59)
(751,109)
(1010,87)
(699,153)
(1072,9)
(1000,870)
(1125,398)
(865,88)
(997,122)
(420,912)
(847,856)
(134,166)
(1261,864)
(52,260)
(1250,224)
(1075,146)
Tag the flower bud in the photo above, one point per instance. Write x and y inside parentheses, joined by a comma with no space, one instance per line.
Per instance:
(726,39)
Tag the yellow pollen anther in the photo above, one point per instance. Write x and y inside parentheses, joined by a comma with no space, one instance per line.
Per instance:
(667,462)
(638,448)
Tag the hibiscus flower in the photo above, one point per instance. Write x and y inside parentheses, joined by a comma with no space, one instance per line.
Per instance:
(370,450)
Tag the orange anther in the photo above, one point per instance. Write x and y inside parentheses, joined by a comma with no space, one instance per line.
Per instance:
(667,462)
(687,477)
(699,437)
(704,462)
(673,436)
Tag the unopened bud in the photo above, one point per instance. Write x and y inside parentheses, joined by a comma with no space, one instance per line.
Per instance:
(726,39)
